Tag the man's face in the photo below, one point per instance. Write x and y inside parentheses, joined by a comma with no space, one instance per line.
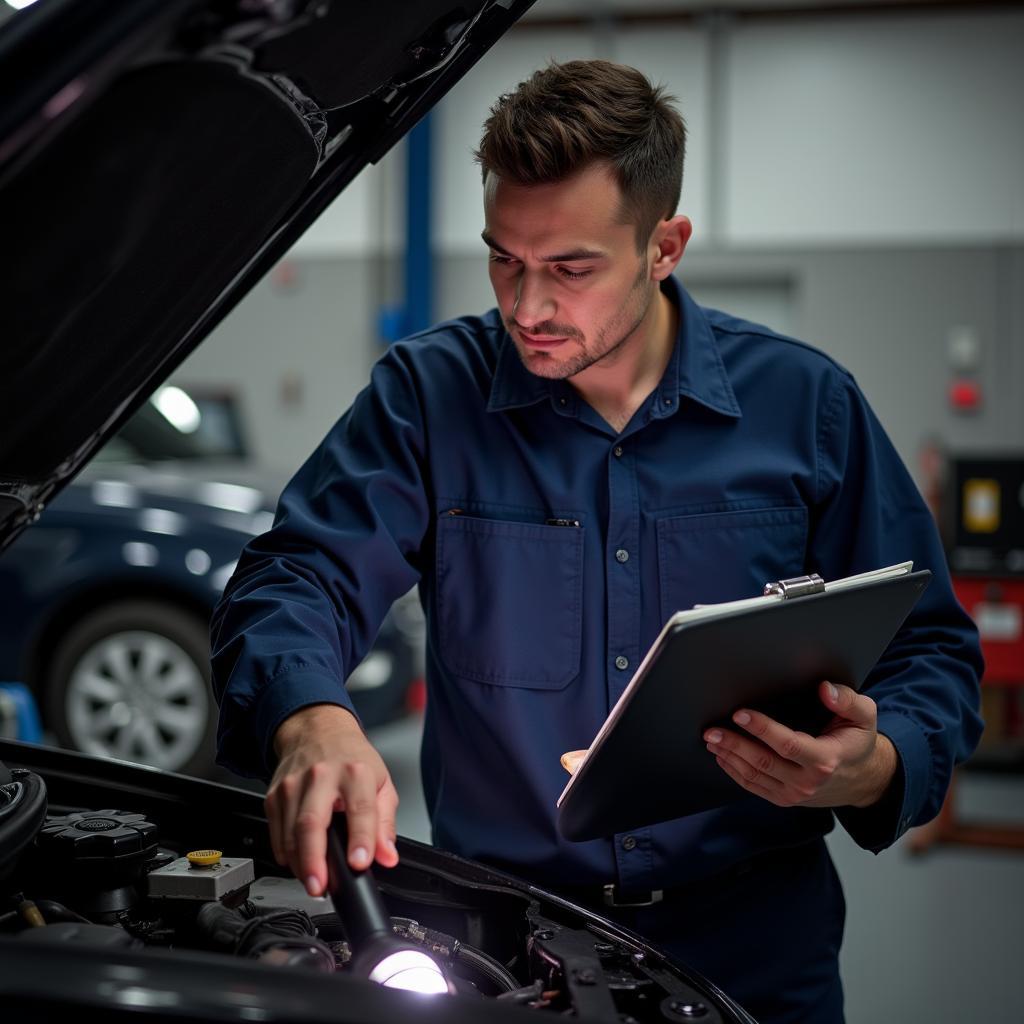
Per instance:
(571,287)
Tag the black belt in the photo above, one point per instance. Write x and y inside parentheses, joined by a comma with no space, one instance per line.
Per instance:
(613,894)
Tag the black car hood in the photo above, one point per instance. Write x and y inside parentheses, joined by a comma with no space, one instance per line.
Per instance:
(156,158)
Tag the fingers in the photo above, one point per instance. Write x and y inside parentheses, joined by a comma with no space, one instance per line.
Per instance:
(281,804)
(792,768)
(847,703)
(387,806)
(299,807)
(773,761)
(754,761)
(796,747)
(359,794)
(308,834)
(749,778)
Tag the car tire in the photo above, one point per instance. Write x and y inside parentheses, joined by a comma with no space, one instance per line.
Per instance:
(131,680)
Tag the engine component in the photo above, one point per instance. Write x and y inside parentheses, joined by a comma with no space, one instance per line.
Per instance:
(96,858)
(272,891)
(78,933)
(452,951)
(22,809)
(186,879)
(284,938)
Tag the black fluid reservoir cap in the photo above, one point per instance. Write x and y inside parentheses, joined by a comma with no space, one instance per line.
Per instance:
(89,836)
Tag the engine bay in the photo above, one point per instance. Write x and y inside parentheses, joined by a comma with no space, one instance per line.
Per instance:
(106,865)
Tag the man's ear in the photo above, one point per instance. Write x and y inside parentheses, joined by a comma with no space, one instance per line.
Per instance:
(668,241)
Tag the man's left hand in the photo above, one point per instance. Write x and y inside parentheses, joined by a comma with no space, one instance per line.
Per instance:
(849,764)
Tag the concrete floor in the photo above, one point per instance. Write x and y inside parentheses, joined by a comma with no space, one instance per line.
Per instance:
(930,939)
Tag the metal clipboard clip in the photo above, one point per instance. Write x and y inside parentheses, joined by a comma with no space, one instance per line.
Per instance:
(798,586)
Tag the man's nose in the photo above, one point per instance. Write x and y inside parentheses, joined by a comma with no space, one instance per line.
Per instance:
(533,303)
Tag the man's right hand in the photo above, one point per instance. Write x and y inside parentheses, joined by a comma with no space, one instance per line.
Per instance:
(325,764)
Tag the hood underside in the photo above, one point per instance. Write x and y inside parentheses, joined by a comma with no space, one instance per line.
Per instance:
(156,159)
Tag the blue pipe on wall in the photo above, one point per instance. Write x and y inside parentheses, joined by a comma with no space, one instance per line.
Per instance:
(416,311)
(419,263)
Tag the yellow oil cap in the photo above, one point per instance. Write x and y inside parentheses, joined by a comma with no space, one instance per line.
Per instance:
(203,858)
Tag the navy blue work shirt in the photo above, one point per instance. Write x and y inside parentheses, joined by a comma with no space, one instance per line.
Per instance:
(549,550)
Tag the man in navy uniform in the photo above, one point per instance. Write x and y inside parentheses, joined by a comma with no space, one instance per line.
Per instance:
(558,477)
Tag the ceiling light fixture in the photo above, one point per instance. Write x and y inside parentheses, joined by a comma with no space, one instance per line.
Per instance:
(178,408)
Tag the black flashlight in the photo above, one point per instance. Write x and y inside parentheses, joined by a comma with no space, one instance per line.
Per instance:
(377,953)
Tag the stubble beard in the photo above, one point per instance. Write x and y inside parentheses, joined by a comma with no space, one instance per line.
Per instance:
(633,311)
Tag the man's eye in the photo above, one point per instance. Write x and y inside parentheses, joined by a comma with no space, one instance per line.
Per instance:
(574,275)
(502,261)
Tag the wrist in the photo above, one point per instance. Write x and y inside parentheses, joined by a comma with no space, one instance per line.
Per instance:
(296,728)
(879,772)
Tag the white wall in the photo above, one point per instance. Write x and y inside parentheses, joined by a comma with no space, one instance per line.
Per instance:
(837,130)
(894,129)
(368,217)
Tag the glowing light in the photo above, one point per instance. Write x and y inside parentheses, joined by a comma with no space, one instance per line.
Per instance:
(373,671)
(261,522)
(411,970)
(115,494)
(178,409)
(163,521)
(20,5)
(198,562)
(137,553)
(230,497)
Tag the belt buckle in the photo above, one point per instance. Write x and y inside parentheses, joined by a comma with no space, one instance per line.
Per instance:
(611,897)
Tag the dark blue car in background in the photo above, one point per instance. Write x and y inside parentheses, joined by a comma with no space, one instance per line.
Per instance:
(106,600)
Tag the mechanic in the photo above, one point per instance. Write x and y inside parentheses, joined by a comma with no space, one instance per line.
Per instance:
(559,476)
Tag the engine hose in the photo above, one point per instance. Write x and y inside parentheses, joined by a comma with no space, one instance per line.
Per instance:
(279,936)
(54,911)
(487,966)
(447,946)
(50,910)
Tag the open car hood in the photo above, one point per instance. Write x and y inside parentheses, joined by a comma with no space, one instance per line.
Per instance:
(156,159)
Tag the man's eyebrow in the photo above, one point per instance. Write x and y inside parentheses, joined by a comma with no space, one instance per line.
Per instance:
(571,256)
(492,244)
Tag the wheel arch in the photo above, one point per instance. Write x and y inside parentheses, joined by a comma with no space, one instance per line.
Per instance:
(86,600)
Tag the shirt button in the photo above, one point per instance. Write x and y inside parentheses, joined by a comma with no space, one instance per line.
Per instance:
(563,401)
(617,451)
(668,401)
(621,662)
(629,843)
(622,555)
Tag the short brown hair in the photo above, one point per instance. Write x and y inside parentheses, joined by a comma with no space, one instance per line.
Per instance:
(566,116)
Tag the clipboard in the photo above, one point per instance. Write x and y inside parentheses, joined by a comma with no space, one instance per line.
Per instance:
(649,762)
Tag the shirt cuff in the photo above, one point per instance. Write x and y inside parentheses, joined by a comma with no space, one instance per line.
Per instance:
(879,826)
(283,696)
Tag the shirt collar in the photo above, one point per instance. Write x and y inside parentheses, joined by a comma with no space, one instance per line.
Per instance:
(695,370)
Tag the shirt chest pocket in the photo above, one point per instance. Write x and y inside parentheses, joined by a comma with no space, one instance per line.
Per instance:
(509,601)
(725,556)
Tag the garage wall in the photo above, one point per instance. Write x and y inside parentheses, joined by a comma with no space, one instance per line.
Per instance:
(302,344)
(806,130)
(855,179)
